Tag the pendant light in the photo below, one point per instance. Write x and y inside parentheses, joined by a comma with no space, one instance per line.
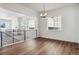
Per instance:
(43,14)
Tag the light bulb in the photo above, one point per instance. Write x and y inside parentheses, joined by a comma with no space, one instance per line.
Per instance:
(41,14)
(45,14)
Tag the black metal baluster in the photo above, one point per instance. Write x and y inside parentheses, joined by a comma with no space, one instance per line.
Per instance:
(24,35)
(13,36)
(36,33)
(1,39)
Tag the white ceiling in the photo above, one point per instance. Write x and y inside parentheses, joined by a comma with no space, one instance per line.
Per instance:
(49,6)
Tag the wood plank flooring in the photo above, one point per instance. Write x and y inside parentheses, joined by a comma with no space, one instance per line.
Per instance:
(41,46)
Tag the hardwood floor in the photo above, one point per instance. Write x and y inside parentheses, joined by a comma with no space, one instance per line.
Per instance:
(41,46)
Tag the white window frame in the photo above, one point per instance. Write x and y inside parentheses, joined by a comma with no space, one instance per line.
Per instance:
(53,22)
(32,19)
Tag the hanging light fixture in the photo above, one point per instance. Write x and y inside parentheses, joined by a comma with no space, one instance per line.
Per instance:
(43,14)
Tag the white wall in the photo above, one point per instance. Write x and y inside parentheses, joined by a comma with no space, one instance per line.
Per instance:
(68,32)
(77,22)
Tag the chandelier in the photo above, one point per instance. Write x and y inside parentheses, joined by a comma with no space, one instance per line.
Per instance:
(43,14)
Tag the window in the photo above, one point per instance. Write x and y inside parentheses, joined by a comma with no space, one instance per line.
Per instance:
(31,24)
(5,24)
(54,23)
(27,23)
(2,23)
